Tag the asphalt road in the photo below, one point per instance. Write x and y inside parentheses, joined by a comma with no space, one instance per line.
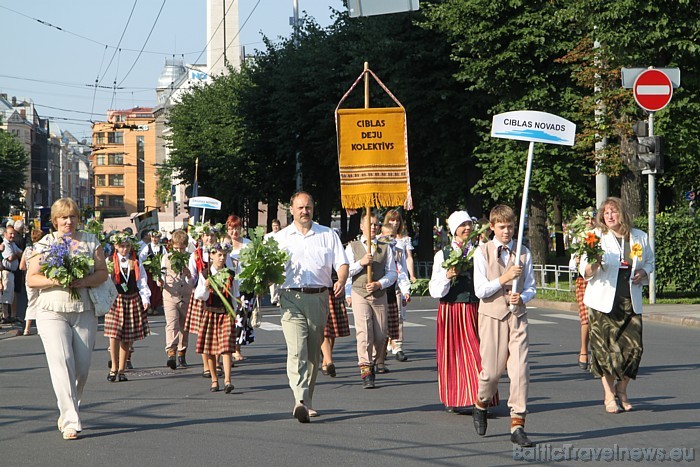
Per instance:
(165,417)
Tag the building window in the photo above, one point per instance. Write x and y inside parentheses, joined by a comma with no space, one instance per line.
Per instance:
(116,159)
(100,159)
(116,180)
(100,180)
(102,201)
(100,138)
(115,137)
(116,201)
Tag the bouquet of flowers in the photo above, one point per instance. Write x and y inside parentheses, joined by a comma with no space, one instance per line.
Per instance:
(179,261)
(462,252)
(200,229)
(264,263)
(60,263)
(585,241)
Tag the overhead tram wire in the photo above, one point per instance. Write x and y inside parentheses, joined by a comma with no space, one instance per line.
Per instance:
(116,72)
(120,40)
(99,70)
(64,30)
(144,44)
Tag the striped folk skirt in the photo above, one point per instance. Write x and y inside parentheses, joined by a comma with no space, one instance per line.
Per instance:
(616,341)
(217,333)
(127,320)
(194,315)
(337,324)
(392,316)
(582,309)
(458,357)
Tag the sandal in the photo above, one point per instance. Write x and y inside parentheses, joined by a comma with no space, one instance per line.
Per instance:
(112,376)
(624,401)
(583,365)
(122,377)
(214,386)
(611,406)
(228,387)
(70,434)
(219,371)
(206,374)
(331,370)
(324,369)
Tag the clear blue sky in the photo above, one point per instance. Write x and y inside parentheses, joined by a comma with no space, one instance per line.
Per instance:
(56,68)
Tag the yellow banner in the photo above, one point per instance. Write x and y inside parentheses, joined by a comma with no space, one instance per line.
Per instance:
(373,157)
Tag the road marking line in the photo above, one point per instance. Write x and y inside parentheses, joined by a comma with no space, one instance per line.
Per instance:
(539,321)
(270,326)
(408,324)
(563,316)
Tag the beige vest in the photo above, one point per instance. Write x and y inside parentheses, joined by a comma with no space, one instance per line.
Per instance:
(496,306)
(176,288)
(359,281)
(58,299)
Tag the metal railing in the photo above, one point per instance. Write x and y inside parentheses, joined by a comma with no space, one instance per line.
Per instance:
(547,277)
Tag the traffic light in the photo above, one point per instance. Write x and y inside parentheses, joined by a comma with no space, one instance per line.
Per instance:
(649,150)
(176,208)
(186,207)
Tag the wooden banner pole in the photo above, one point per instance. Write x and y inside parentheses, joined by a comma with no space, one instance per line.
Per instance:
(368,209)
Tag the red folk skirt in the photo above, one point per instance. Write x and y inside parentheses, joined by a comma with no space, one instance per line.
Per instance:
(337,324)
(217,333)
(127,319)
(580,291)
(458,357)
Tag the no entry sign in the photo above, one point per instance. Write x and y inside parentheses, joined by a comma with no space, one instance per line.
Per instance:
(652,90)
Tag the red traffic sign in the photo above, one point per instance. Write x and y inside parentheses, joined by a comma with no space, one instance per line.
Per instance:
(652,90)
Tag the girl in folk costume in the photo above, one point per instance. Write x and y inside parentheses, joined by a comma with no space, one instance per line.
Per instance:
(234,228)
(458,357)
(217,289)
(126,321)
(205,235)
(154,248)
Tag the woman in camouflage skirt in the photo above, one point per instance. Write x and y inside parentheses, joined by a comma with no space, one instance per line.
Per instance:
(614,299)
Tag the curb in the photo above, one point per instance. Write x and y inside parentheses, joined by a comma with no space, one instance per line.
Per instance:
(659,317)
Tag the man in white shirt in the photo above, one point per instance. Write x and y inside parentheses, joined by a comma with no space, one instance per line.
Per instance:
(314,251)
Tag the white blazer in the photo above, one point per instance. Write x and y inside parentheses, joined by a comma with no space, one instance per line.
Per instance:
(600,292)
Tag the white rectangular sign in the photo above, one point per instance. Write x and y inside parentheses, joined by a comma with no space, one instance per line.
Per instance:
(380,7)
(532,125)
(204,202)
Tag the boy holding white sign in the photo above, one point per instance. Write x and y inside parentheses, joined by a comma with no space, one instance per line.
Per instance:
(503,333)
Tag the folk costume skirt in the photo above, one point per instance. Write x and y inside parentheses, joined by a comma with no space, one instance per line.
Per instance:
(337,324)
(458,357)
(194,315)
(127,320)
(616,340)
(392,314)
(582,309)
(217,333)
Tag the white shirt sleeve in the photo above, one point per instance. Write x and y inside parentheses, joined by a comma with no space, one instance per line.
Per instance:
(439,283)
(482,286)
(142,284)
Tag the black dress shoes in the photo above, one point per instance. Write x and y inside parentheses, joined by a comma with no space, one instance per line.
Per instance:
(172,363)
(458,410)
(479,417)
(368,382)
(520,438)
(400,356)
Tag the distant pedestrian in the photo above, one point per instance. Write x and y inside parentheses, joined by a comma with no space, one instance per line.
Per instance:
(32,294)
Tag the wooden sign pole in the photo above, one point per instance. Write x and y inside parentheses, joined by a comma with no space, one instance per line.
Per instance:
(368,210)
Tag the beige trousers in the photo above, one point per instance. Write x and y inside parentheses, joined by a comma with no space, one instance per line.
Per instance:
(68,340)
(175,311)
(303,320)
(370,319)
(504,346)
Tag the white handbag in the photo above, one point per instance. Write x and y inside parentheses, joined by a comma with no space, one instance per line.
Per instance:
(103,297)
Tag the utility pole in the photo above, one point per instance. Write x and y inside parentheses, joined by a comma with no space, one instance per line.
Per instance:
(295,32)
(601,179)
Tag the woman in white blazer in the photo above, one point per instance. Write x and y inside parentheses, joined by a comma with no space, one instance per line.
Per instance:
(614,301)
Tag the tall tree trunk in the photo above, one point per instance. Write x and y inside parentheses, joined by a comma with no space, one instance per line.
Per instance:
(632,192)
(558,227)
(537,230)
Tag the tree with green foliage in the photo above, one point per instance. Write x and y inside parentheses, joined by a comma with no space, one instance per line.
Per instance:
(13,171)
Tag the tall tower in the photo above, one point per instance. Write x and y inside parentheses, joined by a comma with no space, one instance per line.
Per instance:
(222,33)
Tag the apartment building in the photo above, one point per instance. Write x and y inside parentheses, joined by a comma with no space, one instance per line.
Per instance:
(126,155)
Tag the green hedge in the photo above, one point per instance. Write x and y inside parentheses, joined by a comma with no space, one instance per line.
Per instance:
(677,251)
